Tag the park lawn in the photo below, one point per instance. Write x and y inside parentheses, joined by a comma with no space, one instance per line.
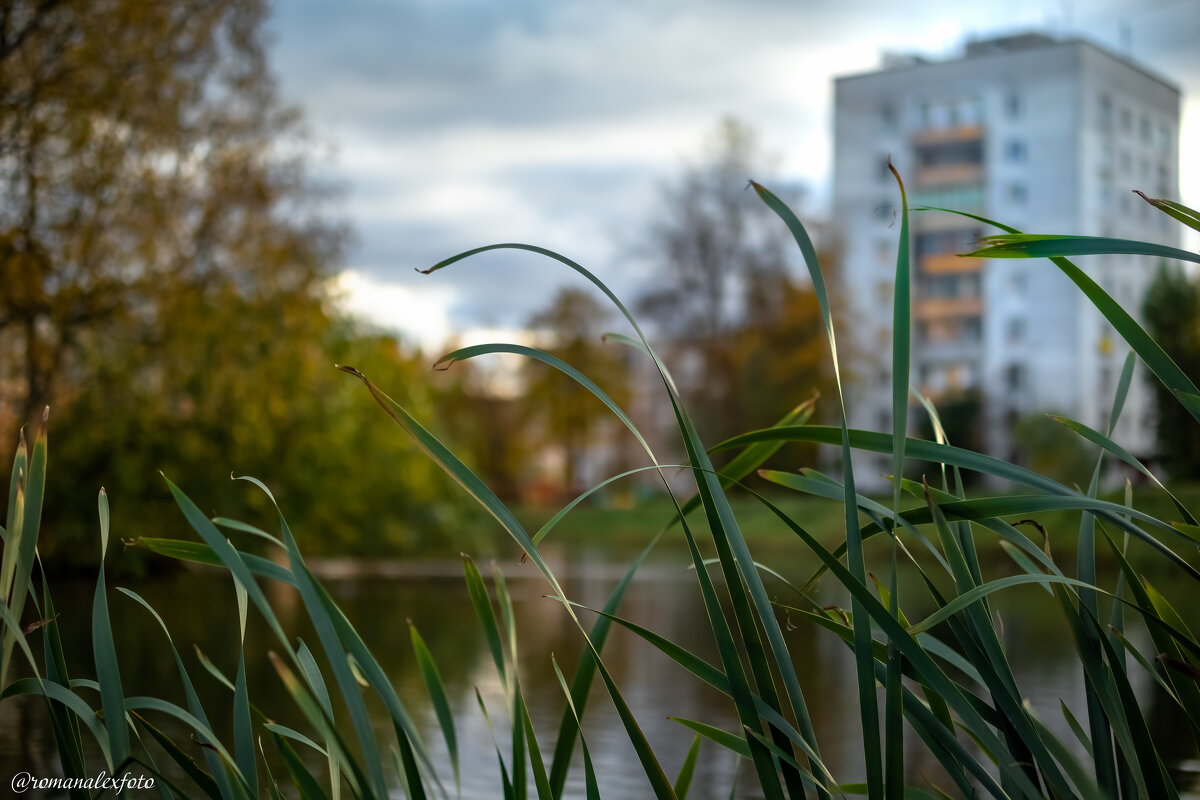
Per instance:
(624,531)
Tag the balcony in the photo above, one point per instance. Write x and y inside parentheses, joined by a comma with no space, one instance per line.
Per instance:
(949,264)
(936,308)
(960,133)
(942,174)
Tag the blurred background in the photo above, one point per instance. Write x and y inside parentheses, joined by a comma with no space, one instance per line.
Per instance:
(205,205)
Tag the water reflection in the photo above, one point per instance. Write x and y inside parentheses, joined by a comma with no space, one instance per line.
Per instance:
(200,609)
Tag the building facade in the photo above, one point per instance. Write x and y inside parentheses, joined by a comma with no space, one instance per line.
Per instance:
(1045,135)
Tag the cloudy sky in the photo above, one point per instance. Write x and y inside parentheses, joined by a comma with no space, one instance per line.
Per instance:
(456,123)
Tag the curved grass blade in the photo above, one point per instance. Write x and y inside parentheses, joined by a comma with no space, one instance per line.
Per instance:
(67,735)
(717,679)
(202,779)
(243,733)
(642,346)
(755,455)
(202,731)
(492,504)
(1177,211)
(482,604)
(505,782)
(589,771)
(305,783)
(215,767)
(1097,438)
(335,652)
(1155,358)
(53,691)
(359,783)
(977,593)
(465,353)
(34,483)
(104,653)
(1036,245)
(730,741)
(316,682)
(683,781)
(437,695)
(718,511)
(928,671)
(243,527)
(868,703)
(201,553)
(930,451)
(585,672)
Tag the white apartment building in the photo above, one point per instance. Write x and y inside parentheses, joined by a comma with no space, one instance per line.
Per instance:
(1045,135)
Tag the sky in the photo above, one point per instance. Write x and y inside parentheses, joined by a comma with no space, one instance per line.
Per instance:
(450,124)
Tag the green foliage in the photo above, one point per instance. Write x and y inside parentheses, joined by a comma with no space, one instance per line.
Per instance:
(1050,449)
(165,263)
(947,682)
(557,409)
(1172,312)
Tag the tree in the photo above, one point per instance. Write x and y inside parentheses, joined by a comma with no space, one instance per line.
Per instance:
(560,412)
(164,264)
(745,334)
(141,160)
(1171,309)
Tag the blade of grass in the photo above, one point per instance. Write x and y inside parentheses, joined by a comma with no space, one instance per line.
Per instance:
(687,770)
(193,700)
(488,500)
(581,682)
(437,695)
(1154,357)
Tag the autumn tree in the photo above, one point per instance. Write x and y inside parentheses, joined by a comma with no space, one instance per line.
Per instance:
(561,413)
(742,325)
(164,264)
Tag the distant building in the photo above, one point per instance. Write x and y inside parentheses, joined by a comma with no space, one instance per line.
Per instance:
(1045,135)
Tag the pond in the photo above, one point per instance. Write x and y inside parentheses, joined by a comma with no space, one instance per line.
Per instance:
(200,609)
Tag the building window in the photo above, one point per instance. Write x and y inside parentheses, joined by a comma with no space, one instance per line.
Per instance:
(969,112)
(884,210)
(1144,129)
(1018,194)
(1105,111)
(1012,105)
(1017,282)
(889,120)
(1015,330)
(1126,121)
(972,329)
(1014,377)
(1163,138)
(1014,151)
(1125,162)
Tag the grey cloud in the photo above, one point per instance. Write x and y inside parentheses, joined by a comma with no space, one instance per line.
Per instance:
(407,75)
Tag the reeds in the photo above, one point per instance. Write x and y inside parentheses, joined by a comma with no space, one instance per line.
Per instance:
(945,677)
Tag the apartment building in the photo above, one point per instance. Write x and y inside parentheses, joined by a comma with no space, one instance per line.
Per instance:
(1045,135)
